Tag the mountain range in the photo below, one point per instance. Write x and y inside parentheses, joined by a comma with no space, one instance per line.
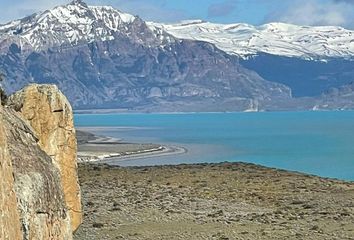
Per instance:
(101,57)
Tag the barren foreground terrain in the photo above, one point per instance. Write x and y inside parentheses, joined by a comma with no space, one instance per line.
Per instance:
(212,201)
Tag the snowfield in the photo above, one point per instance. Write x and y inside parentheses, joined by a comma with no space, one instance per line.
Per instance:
(280,39)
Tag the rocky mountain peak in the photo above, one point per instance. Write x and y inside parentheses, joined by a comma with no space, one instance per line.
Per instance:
(78,3)
(69,24)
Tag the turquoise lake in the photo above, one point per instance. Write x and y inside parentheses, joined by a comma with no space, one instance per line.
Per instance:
(320,143)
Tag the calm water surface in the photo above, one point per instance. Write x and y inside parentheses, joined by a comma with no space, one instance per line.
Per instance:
(319,143)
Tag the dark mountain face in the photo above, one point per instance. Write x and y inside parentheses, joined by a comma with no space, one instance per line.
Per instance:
(135,67)
(305,78)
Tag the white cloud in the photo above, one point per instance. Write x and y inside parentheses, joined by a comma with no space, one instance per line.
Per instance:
(317,12)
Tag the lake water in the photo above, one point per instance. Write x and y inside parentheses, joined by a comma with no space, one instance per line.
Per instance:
(320,143)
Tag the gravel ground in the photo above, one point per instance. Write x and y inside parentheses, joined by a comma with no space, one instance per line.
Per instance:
(212,201)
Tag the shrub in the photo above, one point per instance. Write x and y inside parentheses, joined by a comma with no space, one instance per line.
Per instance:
(3,97)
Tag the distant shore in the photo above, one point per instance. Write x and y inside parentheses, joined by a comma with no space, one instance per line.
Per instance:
(93,148)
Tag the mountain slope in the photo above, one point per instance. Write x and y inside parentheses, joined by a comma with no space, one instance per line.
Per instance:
(101,57)
(310,60)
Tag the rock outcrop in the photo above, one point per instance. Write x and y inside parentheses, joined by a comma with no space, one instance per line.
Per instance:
(39,192)
(50,115)
(10,227)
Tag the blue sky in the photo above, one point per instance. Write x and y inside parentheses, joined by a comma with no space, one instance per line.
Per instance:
(305,12)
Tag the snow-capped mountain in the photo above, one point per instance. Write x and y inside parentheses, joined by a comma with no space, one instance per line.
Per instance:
(310,60)
(274,38)
(77,22)
(68,24)
(102,57)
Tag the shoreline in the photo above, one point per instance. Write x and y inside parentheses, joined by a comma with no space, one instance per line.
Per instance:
(128,156)
(119,111)
(162,151)
(102,149)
